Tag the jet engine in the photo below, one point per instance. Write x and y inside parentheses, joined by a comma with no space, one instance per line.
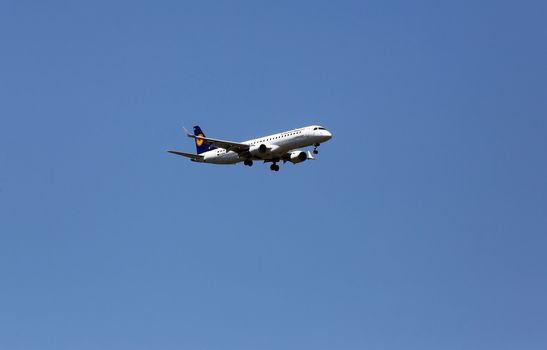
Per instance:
(258,150)
(298,157)
(263,150)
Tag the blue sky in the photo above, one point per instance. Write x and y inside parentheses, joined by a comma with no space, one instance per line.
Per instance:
(421,225)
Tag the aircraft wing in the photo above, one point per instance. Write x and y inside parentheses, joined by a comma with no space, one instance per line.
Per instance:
(194,157)
(227,145)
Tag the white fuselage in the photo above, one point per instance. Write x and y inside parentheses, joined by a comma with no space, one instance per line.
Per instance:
(278,144)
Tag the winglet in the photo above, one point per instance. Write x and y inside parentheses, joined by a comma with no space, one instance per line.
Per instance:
(187,132)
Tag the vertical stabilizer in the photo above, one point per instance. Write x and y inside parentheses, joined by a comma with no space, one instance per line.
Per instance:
(201,146)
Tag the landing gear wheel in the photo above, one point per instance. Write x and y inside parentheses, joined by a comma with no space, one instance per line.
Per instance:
(315,151)
(248,162)
(274,167)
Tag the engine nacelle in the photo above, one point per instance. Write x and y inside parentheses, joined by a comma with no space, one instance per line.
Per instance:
(263,150)
(258,150)
(298,157)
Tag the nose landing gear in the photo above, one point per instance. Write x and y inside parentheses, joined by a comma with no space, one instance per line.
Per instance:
(248,162)
(274,167)
(315,151)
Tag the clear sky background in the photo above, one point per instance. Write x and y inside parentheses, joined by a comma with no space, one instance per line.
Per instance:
(421,225)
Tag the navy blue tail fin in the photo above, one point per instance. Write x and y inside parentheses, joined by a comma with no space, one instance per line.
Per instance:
(200,145)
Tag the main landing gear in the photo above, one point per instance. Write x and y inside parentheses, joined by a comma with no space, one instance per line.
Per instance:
(274,167)
(248,162)
(315,151)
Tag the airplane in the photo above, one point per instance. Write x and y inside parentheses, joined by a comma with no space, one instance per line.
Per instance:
(272,148)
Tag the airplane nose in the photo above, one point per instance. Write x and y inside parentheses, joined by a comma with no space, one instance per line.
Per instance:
(328,135)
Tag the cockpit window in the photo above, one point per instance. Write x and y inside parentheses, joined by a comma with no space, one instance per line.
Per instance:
(319,128)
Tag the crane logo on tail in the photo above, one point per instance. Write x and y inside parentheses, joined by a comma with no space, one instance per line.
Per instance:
(199,140)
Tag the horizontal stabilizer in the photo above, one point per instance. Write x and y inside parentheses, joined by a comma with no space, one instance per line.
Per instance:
(194,157)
